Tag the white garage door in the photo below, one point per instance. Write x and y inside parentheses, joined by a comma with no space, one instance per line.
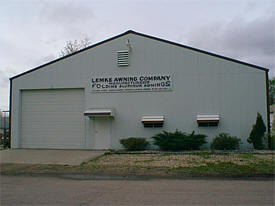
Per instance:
(52,119)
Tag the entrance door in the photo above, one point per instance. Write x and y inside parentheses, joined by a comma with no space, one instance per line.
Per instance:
(102,133)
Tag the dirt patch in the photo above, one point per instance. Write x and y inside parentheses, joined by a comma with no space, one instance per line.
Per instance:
(162,165)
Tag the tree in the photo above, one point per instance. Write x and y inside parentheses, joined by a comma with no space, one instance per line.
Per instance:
(271,139)
(257,133)
(74,46)
(271,84)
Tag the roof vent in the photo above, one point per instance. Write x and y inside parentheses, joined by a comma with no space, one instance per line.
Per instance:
(123,58)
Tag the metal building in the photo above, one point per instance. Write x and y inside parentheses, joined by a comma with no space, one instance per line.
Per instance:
(134,85)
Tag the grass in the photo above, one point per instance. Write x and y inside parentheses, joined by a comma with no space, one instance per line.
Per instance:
(248,156)
(161,165)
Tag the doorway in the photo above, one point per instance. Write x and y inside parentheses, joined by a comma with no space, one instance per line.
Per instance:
(102,133)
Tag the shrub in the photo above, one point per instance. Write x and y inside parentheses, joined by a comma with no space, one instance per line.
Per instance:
(224,141)
(4,140)
(178,140)
(257,133)
(134,143)
(272,142)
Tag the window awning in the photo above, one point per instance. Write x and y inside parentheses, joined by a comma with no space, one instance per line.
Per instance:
(152,119)
(107,112)
(208,118)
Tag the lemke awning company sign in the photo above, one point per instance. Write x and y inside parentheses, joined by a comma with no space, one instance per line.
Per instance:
(131,83)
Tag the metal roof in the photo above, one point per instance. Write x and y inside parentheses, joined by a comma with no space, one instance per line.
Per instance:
(146,36)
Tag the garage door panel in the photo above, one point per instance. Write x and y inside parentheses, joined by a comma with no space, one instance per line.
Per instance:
(53,141)
(50,125)
(51,146)
(53,107)
(52,99)
(58,117)
(45,115)
(53,119)
(55,131)
(46,109)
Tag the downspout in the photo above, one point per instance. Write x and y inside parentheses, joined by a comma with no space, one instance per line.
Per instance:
(268,109)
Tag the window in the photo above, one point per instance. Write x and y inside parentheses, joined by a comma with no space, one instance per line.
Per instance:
(153,124)
(152,121)
(208,124)
(208,120)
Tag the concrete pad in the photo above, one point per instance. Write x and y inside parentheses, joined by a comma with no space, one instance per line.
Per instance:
(43,156)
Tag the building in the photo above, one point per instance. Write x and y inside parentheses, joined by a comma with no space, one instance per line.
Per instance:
(134,85)
(4,122)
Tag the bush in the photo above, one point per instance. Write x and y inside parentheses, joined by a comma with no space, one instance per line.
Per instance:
(134,143)
(257,133)
(4,140)
(179,141)
(272,142)
(224,141)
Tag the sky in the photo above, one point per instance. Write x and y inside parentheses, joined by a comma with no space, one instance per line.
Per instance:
(34,31)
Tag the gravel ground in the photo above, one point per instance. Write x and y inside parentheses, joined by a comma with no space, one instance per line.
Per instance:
(178,161)
(160,165)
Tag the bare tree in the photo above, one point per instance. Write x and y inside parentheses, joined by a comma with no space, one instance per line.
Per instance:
(74,46)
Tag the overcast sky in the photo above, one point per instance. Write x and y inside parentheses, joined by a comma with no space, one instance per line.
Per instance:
(34,31)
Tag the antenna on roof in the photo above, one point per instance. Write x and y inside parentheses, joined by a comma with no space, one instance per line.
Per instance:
(127,42)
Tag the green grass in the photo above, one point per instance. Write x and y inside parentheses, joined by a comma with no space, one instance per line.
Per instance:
(226,170)
(247,156)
